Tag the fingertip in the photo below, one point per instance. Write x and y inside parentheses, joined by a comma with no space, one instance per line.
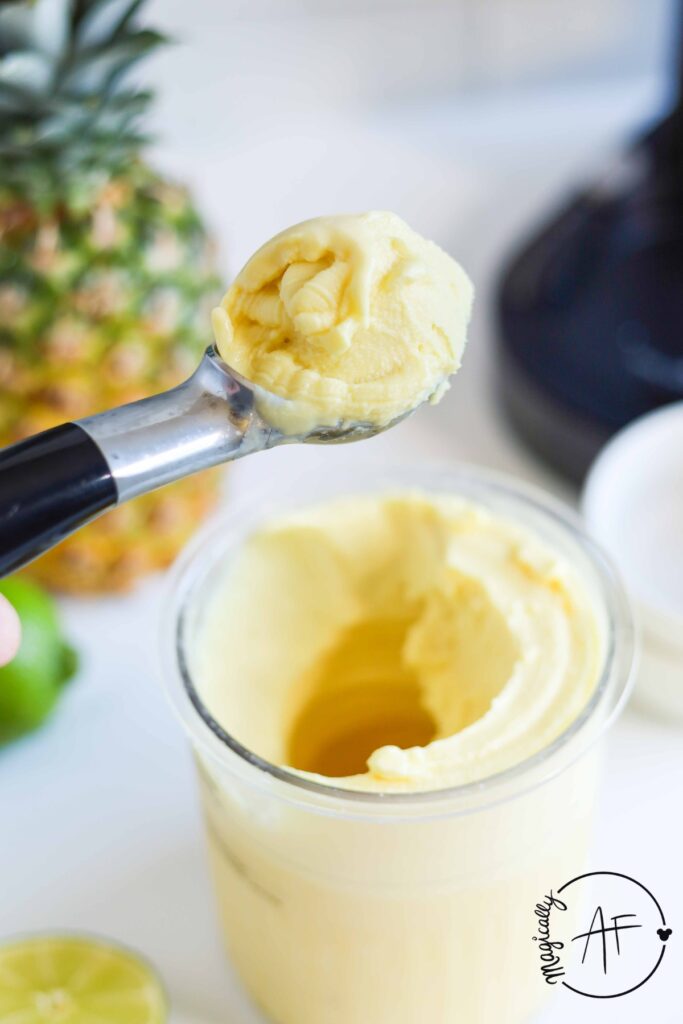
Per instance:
(10,631)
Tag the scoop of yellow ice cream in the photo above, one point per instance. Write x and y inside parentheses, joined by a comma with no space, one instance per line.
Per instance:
(352,318)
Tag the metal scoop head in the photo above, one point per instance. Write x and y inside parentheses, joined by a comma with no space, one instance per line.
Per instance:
(215,416)
(256,397)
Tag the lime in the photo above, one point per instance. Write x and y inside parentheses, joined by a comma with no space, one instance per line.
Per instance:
(33,680)
(72,980)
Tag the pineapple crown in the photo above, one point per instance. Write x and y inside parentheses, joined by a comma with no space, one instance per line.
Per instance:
(68,117)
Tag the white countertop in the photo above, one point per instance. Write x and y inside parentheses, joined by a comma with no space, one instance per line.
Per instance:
(100,822)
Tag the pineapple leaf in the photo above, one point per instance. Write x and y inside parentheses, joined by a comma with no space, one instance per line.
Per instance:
(26,71)
(132,100)
(42,25)
(18,102)
(95,68)
(51,25)
(105,20)
(68,118)
(15,27)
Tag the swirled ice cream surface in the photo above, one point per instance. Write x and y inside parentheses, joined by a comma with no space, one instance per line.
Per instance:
(398,642)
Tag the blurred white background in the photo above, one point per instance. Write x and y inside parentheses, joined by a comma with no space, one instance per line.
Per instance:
(467,117)
(263,102)
(256,60)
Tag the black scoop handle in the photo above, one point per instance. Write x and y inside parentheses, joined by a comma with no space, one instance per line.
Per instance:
(50,485)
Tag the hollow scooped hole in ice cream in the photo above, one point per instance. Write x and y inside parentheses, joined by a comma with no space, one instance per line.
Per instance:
(386,683)
(345,632)
(362,696)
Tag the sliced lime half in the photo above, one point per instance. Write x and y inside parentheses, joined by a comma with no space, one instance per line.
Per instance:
(73,980)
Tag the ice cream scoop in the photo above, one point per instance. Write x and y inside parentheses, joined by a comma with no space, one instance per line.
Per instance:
(335,330)
(54,482)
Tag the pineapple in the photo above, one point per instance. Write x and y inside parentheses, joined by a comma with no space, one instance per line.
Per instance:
(106,276)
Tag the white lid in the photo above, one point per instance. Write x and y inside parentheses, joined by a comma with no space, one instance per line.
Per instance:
(633,505)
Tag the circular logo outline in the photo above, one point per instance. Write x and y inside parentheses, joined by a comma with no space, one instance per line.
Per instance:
(619,874)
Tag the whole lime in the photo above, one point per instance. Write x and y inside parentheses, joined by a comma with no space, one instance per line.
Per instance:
(32,682)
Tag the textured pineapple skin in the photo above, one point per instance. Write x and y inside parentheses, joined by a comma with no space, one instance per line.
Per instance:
(100,305)
(144,536)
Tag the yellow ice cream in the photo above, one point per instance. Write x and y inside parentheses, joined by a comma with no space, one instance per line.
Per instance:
(398,643)
(389,643)
(352,318)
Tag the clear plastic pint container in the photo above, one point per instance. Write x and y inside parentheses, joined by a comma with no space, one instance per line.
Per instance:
(350,907)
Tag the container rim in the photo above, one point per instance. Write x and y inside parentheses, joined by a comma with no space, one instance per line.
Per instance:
(615,682)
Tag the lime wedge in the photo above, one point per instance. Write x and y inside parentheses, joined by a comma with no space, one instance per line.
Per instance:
(72,980)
